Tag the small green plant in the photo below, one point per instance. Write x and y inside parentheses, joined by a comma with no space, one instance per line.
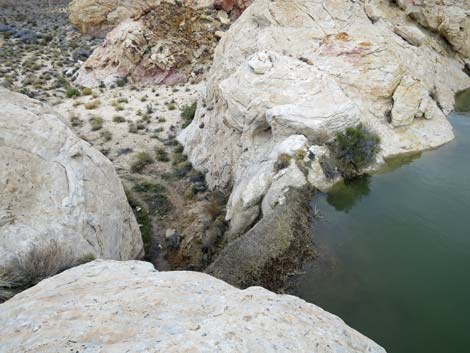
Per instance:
(187,113)
(96,123)
(282,162)
(171,106)
(354,150)
(140,161)
(72,92)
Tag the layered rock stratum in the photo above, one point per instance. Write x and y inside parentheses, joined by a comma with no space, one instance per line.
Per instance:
(162,43)
(56,189)
(289,75)
(110,306)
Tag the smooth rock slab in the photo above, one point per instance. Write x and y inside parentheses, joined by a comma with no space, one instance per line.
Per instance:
(110,306)
(56,187)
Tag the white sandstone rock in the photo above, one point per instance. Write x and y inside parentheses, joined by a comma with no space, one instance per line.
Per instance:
(110,306)
(314,68)
(56,187)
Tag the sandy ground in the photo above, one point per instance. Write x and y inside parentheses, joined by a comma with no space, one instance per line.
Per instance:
(180,220)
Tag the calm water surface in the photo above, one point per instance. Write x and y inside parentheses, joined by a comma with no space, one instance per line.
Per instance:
(395,252)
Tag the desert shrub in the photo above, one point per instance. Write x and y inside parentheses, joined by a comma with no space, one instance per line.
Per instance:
(106,135)
(187,113)
(37,264)
(96,123)
(75,120)
(140,161)
(154,196)
(93,104)
(72,92)
(282,162)
(118,119)
(354,150)
(162,155)
(87,91)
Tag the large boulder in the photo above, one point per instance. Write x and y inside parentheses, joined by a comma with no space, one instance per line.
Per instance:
(57,193)
(290,74)
(167,44)
(109,306)
(99,16)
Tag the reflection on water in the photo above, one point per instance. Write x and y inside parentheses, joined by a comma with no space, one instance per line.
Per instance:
(395,251)
(345,194)
(463,101)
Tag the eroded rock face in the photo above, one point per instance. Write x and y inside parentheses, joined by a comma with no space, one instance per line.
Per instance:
(451,18)
(115,306)
(99,16)
(313,68)
(56,187)
(166,44)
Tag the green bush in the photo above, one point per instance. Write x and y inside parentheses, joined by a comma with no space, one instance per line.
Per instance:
(87,91)
(140,161)
(162,155)
(187,113)
(72,92)
(354,150)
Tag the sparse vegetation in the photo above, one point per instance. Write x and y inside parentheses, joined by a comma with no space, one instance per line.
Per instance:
(118,119)
(106,135)
(72,92)
(354,150)
(140,161)
(92,104)
(282,162)
(187,113)
(37,264)
(87,91)
(162,155)
(96,123)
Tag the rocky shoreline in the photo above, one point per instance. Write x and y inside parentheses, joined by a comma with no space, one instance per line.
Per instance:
(220,119)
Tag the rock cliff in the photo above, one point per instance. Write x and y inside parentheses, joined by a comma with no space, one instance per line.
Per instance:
(57,192)
(289,75)
(109,306)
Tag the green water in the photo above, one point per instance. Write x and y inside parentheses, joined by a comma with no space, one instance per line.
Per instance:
(395,252)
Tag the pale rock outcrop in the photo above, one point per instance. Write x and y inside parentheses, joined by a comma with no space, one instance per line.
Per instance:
(99,16)
(313,68)
(451,18)
(167,44)
(55,187)
(109,306)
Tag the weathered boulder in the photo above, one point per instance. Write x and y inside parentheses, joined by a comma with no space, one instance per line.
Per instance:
(99,16)
(314,68)
(451,18)
(167,44)
(109,306)
(56,189)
